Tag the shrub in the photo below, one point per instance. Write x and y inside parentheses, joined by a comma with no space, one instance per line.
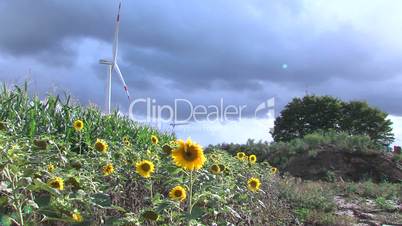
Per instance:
(279,153)
(384,204)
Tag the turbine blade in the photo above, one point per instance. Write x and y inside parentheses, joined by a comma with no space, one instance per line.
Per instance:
(117,69)
(116,35)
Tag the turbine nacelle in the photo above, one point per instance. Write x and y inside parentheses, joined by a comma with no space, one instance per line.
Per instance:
(179,124)
(107,62)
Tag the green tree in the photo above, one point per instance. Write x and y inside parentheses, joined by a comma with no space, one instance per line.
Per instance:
(311,114)
(359,118)
(307,115)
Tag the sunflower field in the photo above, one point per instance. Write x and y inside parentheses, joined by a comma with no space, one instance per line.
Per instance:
(62,164)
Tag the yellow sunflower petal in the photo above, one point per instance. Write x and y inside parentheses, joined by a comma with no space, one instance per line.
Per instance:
(215,169)
(78,125)
(101,145)
(145,168)
(178,193)
(188,155)
(240,155)
(108,169)
(57,183)
(252,159)
(77,217)
(154,139)
(254,184)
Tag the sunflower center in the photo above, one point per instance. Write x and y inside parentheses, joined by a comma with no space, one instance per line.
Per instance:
(178,193)
(146,167)
(253,184)
(190,155)
(55,184)
(79,124)
(215,168)
(99,146)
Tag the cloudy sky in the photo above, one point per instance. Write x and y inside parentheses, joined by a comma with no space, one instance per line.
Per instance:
(243,52)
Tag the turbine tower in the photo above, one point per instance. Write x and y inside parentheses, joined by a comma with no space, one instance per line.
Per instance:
(112,65)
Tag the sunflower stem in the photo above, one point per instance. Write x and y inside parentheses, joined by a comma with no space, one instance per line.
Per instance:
(80,143)
(190,206)
(151,188)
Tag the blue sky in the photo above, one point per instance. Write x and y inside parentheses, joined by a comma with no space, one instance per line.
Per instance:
(207,50)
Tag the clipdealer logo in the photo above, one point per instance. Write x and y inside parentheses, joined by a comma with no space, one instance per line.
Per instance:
(221,112)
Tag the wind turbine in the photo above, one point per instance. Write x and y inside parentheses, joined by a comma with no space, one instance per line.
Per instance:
(112,65)
(174,124)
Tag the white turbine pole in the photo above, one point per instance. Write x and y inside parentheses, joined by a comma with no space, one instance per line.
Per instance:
(109,90)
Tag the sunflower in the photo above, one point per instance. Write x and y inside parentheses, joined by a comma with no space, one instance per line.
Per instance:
(222,167)
(145,168)
(78,125)
(108,169)
(188,155)
(101,145)
(50,168)
(215,169)
(57,183)
(274,170)
(178,193)
(167,149)
(252,159)
(214,157)
(76,216)
(154,139)
(254,184)
(240,155)
(126,141)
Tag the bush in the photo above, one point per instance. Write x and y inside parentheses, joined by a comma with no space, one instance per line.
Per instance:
(312,195)
(368,189)
(385,204)
(279,153)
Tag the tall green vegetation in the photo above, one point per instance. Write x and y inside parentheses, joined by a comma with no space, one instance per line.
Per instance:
(25,116)
(62,164)
(311,114)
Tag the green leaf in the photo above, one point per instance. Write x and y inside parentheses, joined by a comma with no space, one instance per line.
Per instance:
(3,201)
(196,213)
(173,169)
(38,185)
(43,200)
(102,199)
(5,220)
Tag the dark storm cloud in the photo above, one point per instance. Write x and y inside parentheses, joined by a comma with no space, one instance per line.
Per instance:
(203,50)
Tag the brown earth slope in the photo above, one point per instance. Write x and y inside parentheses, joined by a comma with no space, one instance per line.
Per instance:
(352,166)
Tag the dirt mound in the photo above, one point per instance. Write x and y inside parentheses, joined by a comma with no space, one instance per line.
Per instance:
(354,166)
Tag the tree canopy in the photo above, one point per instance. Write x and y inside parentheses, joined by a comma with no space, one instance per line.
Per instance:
(312,113)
